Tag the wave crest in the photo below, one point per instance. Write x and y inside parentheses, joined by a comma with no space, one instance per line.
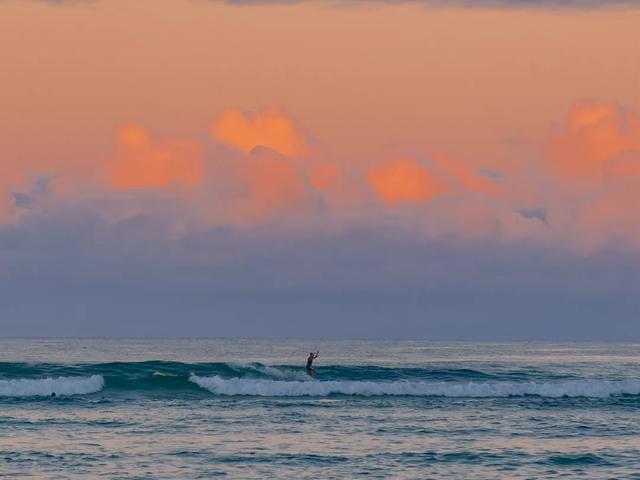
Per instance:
(31,387)
(279,388)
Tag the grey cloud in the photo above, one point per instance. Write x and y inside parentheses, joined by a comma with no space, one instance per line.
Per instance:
(535,213)
(23,200)
(492,174)
(29,200)
(72,273)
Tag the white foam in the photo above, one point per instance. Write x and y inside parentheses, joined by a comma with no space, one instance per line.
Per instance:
(27,387)
(279,388)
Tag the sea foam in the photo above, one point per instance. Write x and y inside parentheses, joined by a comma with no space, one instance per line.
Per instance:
(279,388)
(28,387)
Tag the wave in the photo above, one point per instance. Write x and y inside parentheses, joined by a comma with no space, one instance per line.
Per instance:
(279,388)
(153,372)
(176,379)
(281,373)
(32,387)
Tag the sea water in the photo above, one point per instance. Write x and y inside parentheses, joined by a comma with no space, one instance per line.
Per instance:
(246,409)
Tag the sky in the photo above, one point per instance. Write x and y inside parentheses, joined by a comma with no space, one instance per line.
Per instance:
(373,169)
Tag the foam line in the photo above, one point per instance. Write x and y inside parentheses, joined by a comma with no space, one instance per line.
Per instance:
(278,388)
(28,387)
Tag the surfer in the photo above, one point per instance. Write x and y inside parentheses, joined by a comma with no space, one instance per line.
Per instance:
(310,370)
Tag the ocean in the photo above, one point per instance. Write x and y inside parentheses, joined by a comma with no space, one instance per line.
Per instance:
(189,409)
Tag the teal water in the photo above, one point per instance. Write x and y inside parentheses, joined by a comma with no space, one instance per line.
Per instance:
(247,409)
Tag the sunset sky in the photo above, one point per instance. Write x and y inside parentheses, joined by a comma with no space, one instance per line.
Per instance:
(361,169)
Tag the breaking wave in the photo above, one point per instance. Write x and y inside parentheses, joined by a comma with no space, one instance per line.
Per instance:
(196,380)
(32,387)
(279,388)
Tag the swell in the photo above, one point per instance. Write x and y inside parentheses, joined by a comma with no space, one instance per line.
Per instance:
(175,379)
(146,370)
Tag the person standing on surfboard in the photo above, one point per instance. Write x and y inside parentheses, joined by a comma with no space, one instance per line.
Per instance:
(310,370)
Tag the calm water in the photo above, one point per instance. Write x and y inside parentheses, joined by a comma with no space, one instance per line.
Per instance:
(246,409)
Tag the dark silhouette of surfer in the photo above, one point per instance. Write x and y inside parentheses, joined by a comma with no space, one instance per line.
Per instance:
(310,370)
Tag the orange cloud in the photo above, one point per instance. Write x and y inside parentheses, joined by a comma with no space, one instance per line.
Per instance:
(269,128)
(144,162)
(273,184)
(593,137)
(405,180)
(596,160)
(325,176)
(464,175)
(625,165)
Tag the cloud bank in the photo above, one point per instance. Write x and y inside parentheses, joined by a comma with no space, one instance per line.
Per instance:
(580,194)
(249,221)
